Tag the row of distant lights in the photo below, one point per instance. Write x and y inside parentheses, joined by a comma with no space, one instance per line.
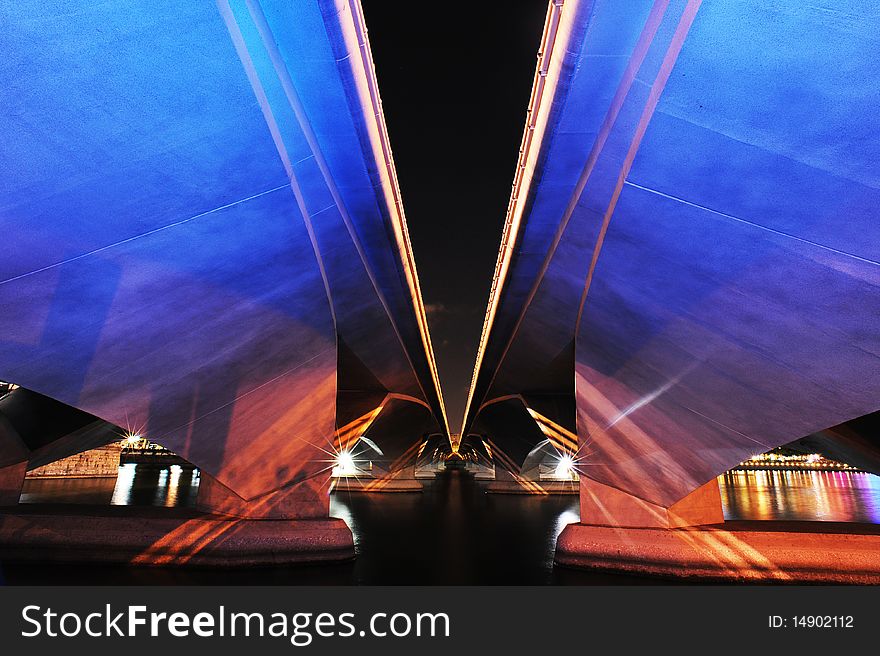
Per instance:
(776,459)
(133,438)
(812,457)
(345,465)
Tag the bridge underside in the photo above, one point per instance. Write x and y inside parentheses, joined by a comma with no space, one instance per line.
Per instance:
(204,245)
(696,210)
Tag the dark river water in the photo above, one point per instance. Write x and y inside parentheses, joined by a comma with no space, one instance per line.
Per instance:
(452,533)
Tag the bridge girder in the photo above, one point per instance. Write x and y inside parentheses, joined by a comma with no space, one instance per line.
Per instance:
(198,205)
(697,211)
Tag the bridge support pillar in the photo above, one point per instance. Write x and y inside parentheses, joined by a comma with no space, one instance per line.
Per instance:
(306,500)
(11,481)
(603,505)
(285,527)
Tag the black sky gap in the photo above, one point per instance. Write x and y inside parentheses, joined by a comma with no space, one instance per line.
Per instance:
(455,79)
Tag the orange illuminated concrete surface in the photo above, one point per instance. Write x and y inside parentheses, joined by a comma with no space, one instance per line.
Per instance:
(739,551)
(691,540)
(168,537)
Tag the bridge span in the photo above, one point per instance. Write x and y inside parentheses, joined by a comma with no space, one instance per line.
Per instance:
(204,245)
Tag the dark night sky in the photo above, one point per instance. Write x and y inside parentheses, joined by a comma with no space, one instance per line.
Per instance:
(455,80)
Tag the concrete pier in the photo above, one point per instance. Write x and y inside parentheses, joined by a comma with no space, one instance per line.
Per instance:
(169,537)
(287,526)
(690,539)
(740,551)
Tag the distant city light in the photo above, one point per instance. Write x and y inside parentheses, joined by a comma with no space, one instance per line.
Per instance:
(564,467)
(345,465)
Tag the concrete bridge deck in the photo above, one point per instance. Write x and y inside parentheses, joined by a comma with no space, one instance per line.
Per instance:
(205,244)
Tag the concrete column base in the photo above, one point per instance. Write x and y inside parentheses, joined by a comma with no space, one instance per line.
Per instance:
(785,552)
(307,500)
(11,481)
(602,505)
(169,537)
(619,532)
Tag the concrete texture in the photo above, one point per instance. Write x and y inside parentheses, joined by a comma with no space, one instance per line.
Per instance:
(11,480)
(167,537)
(691,253)
(779,552)
(204,241)
(304,500)
(606,506)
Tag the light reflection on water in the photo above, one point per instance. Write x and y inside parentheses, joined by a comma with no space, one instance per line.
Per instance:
(135,485)
(566,517)
(828,496)
(454,532)
(783,495)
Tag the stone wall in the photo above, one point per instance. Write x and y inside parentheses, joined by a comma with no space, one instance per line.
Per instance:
(96,463)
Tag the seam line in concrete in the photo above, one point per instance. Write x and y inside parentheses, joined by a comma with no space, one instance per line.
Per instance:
(144,234)
(752,223)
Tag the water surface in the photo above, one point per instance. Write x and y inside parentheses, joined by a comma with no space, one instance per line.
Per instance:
(825,496)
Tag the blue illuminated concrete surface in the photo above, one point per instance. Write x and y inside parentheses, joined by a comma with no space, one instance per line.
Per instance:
(689,272)
(203,243)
